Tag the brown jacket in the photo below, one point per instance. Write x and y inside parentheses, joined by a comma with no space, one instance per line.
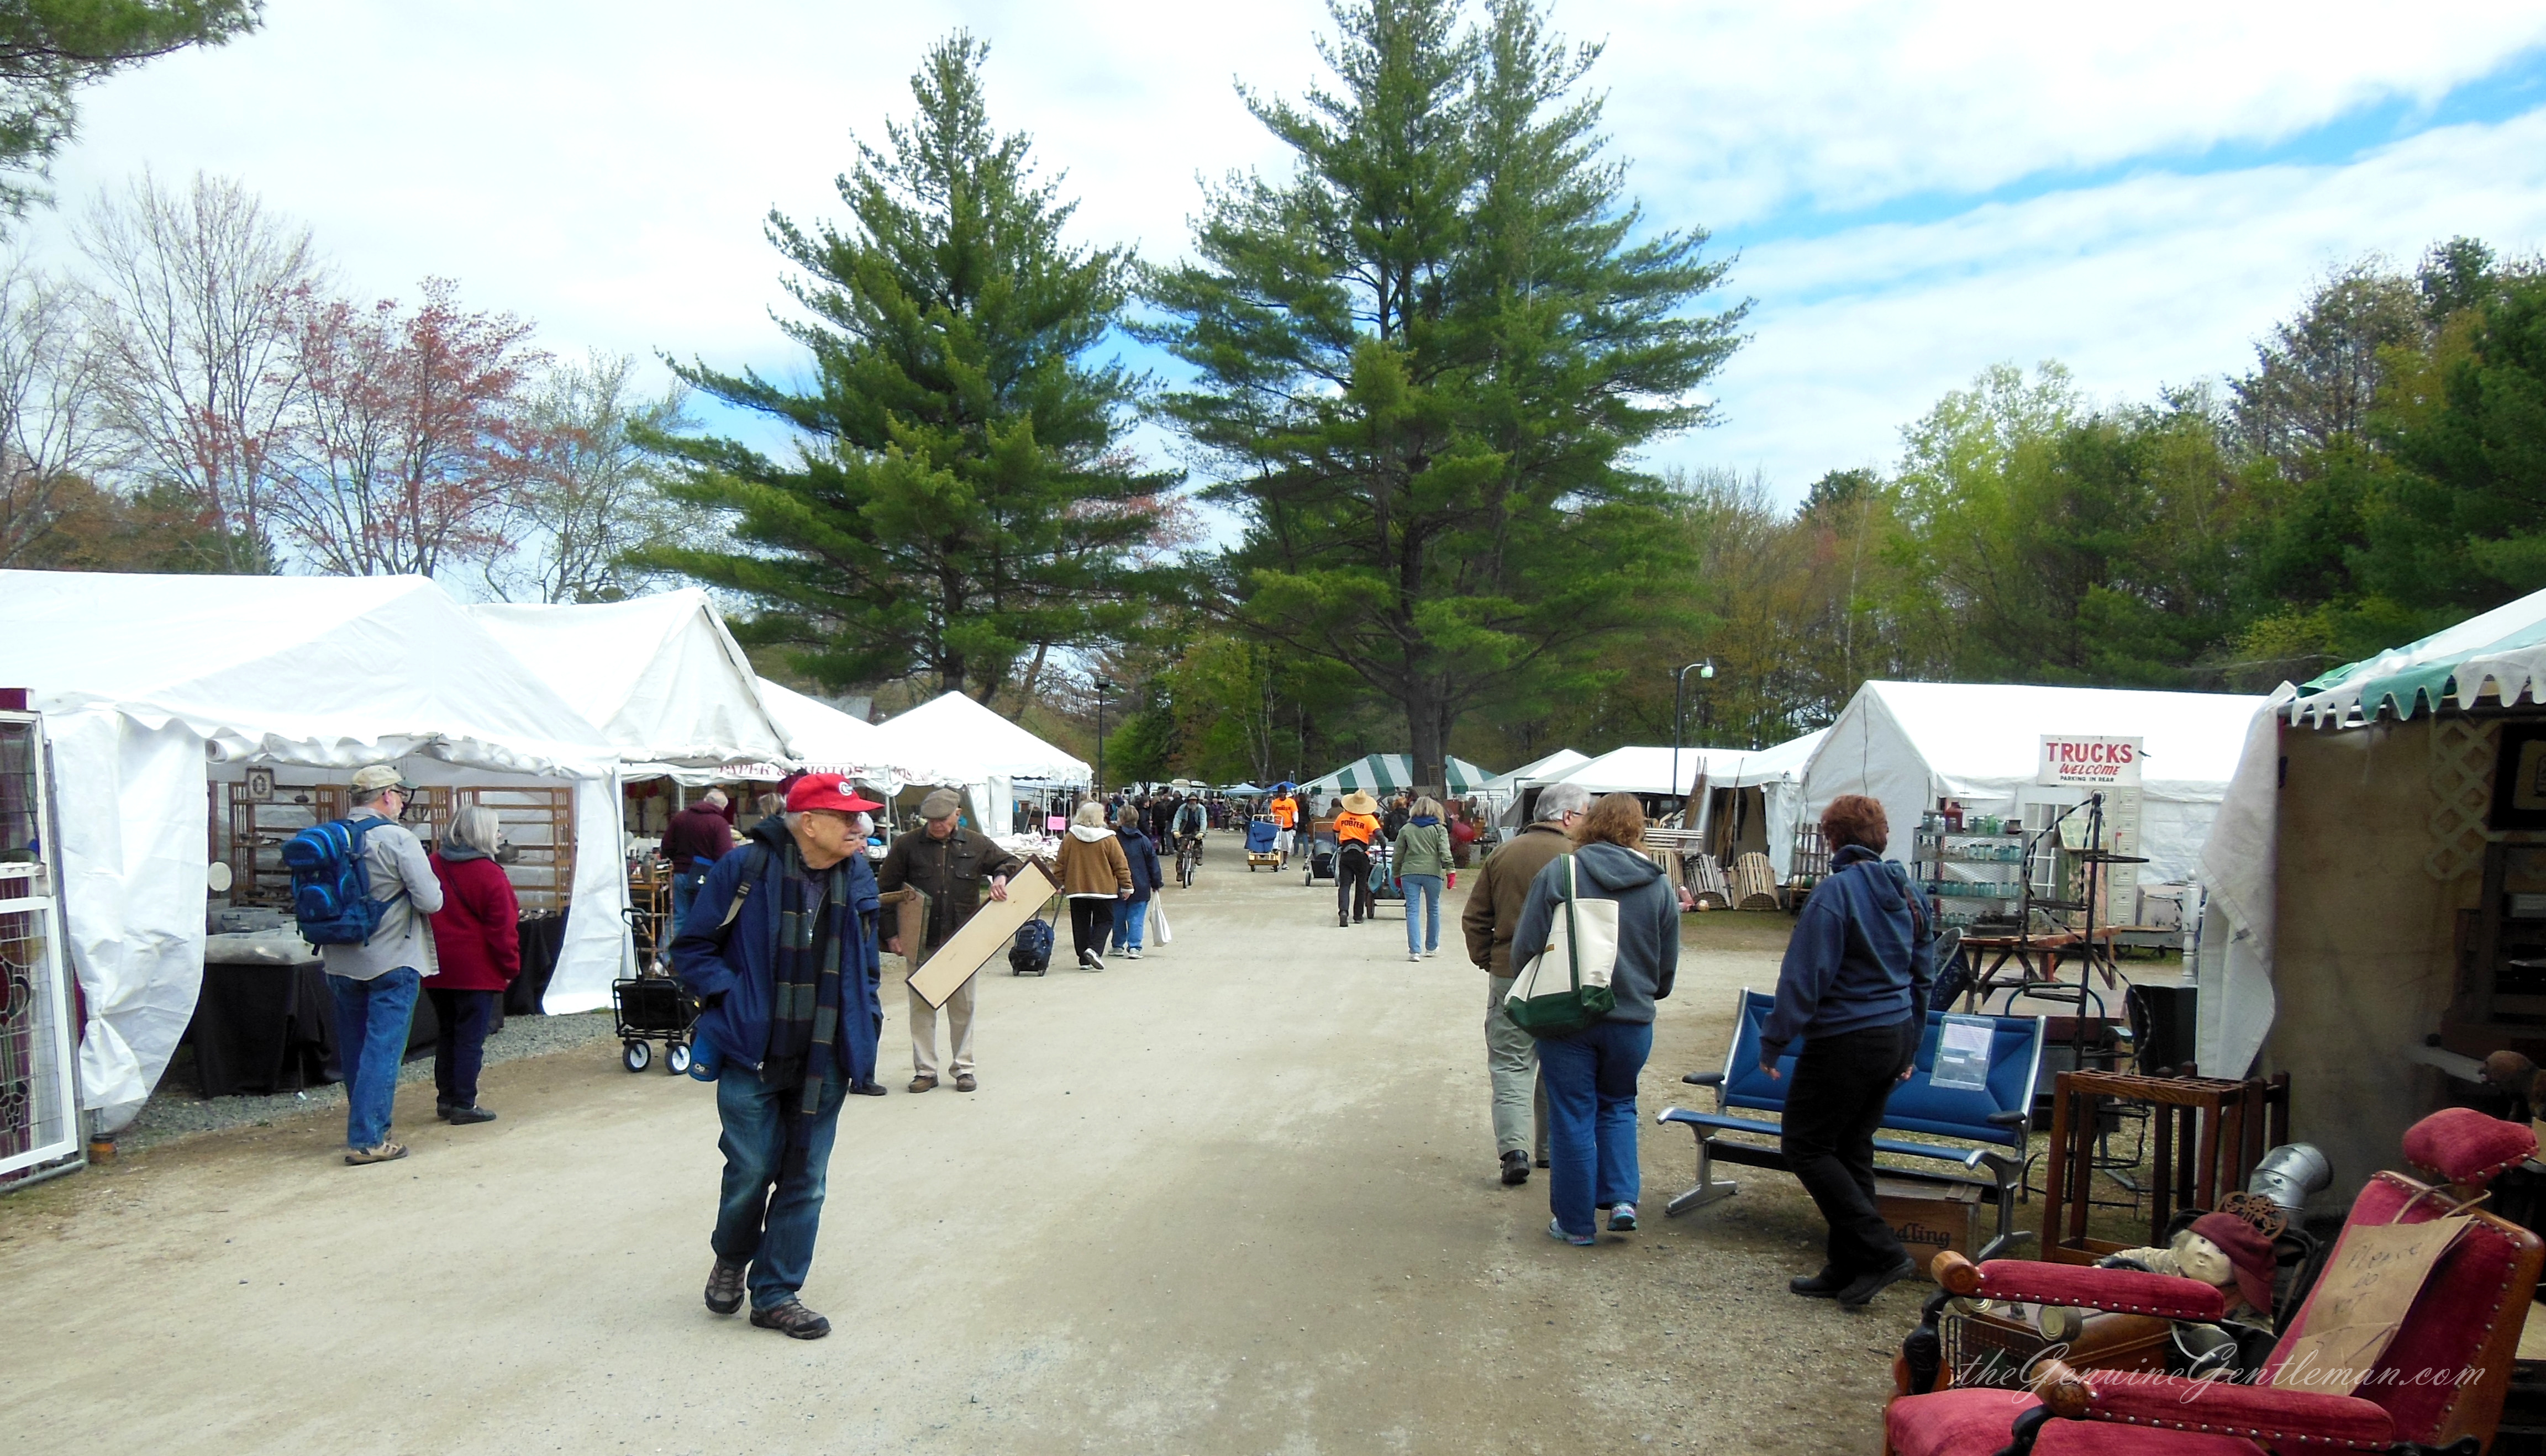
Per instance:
(1093,867)
(954,870)
(1493,907)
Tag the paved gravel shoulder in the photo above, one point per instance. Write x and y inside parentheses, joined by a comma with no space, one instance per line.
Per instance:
(1238,1196)
(174,1112)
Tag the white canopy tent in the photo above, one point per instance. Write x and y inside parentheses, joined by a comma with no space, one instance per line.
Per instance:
(830,741)
(1535,770)
(1773,774)
(977,750)
(153,685)
(659,676)
(1909,743)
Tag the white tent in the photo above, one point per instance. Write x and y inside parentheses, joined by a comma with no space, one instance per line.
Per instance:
(1909,743)
(659,676)
(1648,771)
(830,741)
(152,686)
(1536,770)
(979,751)
(1760,790)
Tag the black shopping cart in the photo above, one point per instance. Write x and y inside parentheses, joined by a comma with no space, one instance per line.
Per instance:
(653,1009)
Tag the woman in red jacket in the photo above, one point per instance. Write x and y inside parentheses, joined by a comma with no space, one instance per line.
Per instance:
(476,935)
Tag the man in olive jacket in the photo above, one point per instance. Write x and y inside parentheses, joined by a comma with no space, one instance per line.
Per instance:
(1490,917)
(952,865)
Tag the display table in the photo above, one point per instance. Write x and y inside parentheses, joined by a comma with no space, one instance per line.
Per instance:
(2210,1134)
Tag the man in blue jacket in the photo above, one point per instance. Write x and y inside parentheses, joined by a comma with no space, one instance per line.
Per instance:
(1854,988)
(780,950)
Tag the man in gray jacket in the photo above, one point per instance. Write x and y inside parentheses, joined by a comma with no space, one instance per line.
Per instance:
(375,983)
(1491,920)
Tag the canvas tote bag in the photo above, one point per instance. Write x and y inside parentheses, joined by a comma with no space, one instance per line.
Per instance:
(1565,987)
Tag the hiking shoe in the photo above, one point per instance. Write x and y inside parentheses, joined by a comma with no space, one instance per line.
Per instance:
(1515,1168)
(386,1152)
(1556,1231)
(462,1116)
(1861,1292)
(724,1286)
(792,1320)
(965,1082)
(1621,1218)
(923,1082)
(1824,1285)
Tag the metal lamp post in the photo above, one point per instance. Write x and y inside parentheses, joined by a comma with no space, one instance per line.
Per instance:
(1679,680)
(1102,688)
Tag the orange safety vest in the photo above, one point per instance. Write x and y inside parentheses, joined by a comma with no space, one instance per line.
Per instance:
(1286,812)
(1358,828)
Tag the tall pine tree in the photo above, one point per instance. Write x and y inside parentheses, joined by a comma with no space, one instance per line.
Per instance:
(1425,360)
(960,495)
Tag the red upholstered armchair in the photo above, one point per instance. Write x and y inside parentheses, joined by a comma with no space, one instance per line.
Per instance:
(2438,1387)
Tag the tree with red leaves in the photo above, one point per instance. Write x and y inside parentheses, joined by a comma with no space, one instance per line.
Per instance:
(413,433)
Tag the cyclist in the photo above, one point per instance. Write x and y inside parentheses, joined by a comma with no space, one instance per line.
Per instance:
(1189,824)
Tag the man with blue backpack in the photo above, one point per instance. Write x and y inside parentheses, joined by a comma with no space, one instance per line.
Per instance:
(363,891)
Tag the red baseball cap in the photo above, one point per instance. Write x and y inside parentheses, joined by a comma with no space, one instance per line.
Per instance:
(826,791)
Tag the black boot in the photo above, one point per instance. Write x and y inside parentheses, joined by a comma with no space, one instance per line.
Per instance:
(1825,1285)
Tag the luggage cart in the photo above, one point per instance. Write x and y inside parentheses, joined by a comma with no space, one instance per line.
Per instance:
(1263,837)
(653,1009)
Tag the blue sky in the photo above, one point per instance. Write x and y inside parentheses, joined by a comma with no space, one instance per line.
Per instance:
(1916,191)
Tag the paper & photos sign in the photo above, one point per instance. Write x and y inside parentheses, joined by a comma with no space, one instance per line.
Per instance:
(2110,766)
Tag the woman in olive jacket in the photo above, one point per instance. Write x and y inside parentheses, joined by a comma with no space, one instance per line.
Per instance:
(1422,863)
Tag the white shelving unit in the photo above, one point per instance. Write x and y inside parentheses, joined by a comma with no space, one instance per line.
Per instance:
(39,1125)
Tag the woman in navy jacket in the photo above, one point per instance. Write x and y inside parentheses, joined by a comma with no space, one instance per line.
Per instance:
(1132,916)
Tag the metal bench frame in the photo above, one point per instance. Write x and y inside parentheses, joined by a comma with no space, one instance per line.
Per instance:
(1996,1164)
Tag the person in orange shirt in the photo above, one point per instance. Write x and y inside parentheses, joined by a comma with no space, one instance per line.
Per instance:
(1285,810)
(1355,829)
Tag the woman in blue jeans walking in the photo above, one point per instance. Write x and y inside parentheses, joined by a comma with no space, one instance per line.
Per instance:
(1422,862)
(1591,1076)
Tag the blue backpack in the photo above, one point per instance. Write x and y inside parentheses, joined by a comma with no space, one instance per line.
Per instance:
(331,883)
(1031,954)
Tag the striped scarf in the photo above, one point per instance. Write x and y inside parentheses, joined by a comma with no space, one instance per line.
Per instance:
(816,924)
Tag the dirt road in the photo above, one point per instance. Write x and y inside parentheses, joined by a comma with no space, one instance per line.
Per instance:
(1236,1197)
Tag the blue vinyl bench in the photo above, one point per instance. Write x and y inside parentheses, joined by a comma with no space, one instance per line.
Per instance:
(1989,1128)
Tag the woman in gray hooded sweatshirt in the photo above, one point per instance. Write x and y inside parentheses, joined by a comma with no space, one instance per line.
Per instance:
(1591,1076)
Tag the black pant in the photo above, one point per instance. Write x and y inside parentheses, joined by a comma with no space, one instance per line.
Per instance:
(1352,881)
(1840,1084)
(459,1049)
(1091,923)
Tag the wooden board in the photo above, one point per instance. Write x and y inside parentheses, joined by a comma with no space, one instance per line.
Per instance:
(983,936)
(908,909)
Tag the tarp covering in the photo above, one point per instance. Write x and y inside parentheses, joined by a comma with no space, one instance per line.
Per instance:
(659,674)
(2238,864)
(2502,653)
(1909,743)
(1386,773)
(151,684)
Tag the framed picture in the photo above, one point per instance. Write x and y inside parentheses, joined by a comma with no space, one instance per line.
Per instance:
(260,785)
(2520,777)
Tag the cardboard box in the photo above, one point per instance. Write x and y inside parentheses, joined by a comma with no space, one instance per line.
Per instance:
(1930,1218)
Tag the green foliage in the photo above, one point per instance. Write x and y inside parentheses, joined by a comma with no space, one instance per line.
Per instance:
(962,496)
(1424,359)
(50,49)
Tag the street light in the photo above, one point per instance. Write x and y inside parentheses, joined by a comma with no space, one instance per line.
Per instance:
(1102,688)
(1705,671)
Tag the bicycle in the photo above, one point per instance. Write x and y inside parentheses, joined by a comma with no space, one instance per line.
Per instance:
(1188,859)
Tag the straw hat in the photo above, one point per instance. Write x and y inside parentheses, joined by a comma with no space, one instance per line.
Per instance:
(1358,802)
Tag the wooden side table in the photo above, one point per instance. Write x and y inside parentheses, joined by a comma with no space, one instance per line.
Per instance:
(2210,1134)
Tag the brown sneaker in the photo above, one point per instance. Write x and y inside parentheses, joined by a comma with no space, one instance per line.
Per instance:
(923,1082)
(724,1286)
(385,1153)
(964,1082)
(792,1320)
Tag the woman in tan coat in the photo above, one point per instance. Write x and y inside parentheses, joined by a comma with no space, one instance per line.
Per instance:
(1094,874)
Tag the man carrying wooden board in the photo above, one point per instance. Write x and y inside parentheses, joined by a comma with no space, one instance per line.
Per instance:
(950,864)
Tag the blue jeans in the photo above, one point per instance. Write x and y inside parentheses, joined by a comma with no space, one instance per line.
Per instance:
(772,1232)
(685,888)
(1426,889)
(1130,918)
(371,1020)
(1590,1079)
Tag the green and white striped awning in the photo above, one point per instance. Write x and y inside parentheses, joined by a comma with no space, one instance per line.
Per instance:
(2502,654)
(1386,773)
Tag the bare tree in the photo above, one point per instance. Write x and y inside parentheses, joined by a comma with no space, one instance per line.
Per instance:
(48,406)
(191,299)
(593,494)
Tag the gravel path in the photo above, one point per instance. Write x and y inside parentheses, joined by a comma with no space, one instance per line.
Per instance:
(174,1112)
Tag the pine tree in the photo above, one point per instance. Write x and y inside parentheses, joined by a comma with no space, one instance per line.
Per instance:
(1425,360)
(961,494)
